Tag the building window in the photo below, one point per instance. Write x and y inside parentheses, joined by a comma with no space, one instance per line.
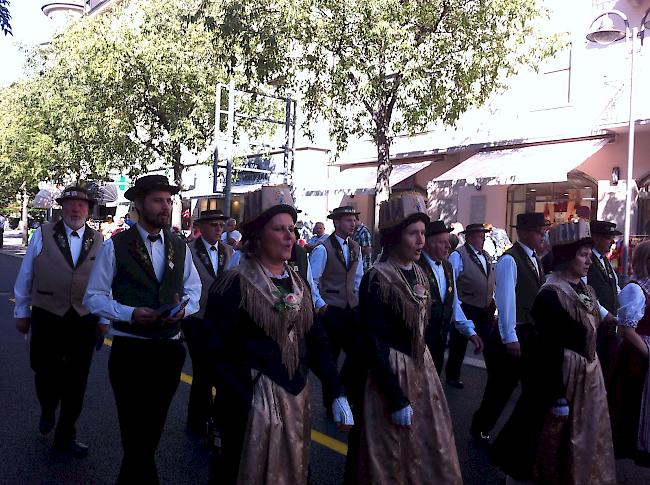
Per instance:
(553,86)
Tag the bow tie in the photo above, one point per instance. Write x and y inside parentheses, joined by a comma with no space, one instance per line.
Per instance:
(74,234)
(437,263)
(155,238)
(212,248)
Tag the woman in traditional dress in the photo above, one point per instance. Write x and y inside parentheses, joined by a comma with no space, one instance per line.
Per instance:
(559,432)
(406,435)
(265,340)
(630,400)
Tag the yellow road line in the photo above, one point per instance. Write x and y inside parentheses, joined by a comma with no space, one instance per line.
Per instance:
(316,436)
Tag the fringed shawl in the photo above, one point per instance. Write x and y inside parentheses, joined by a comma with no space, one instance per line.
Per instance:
(413,308)
(259,298)
(583,309)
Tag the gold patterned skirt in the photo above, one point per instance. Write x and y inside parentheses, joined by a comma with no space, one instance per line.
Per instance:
(423,453)
(578,449)
(277,439)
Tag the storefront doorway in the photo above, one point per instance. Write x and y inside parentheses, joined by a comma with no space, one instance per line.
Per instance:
(559,201)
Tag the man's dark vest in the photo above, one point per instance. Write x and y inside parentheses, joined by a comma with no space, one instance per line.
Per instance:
(528,282)
(441,311)
(604,284)
(135,283)
(299,261)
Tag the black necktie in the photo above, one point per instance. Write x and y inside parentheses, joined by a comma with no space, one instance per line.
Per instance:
(74,234)
(155,238)
(438,263)
(212,248)
(534,256)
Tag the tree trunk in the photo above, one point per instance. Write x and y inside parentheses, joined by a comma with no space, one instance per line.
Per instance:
(384,168)
(177,210)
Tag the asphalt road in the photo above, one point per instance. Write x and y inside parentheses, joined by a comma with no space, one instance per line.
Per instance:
(26,457)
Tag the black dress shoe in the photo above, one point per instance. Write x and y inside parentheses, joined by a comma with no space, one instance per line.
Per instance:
(46,423)
(481,439)
(457,383)
(74,447)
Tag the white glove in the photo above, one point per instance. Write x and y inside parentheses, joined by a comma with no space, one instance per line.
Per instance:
(403,416)
(342,412)
(560,408)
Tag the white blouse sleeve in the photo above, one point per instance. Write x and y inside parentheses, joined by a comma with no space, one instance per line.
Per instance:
(632,305)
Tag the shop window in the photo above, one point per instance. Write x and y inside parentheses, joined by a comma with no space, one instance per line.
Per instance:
(559,201)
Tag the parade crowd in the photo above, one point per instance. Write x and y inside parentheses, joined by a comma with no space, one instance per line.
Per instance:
(260,314)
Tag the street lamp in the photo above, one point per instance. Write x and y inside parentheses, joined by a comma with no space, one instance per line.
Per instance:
(606,33)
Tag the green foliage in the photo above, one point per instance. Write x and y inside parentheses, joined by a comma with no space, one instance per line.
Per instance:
(374,65)
(5,17)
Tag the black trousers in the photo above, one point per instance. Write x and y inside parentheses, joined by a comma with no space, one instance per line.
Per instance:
(437,340)
(61,350)
(199,408)
(144,375)
(342,326)
(483,323)
(504,373)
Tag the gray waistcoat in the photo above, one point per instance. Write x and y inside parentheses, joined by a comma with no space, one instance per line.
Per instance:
(206,271)
(474,286)
(336,285)
(58,284)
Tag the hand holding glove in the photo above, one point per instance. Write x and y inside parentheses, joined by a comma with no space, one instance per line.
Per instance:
(403,416)
(341,412)
(560,408)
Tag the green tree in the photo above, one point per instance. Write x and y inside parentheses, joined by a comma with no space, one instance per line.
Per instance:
(379,67)
(5,17)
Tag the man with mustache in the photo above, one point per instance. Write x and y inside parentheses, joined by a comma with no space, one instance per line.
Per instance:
(52,280)
(139,279)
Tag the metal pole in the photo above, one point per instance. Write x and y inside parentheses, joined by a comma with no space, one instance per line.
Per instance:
(630,160)
(25,217)
(287,133)
(217,129)
(227,192)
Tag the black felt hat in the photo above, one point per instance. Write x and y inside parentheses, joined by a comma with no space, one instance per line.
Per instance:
(476,228)
(604,227)
(149,183)
(212,215)
(76,192)
(437,227)
(345,210)
(531,220)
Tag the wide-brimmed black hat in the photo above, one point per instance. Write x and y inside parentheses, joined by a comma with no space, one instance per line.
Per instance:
(76,192)
(477,228)
(437,227)
(604,227)
(149,183)
(531,220)
(345,210)
(212,215)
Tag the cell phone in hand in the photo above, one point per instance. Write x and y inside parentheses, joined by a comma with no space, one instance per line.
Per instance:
(172,310)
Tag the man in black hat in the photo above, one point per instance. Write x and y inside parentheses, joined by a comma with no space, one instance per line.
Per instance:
(519,276)
(475,280)
(211,258)
(445,308)
(52,279)
(139,279)
(602,278)
(337,269)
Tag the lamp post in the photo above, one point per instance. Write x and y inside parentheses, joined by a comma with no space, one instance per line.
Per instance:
(606,34)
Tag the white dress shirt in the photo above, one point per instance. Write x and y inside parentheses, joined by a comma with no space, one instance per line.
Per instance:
(236,235)
(23,285)
(214,257)
(504,294)
(457,261)
(318,261)
(99,294)
(462,324)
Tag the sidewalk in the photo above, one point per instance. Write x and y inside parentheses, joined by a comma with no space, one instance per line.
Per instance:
(13,243)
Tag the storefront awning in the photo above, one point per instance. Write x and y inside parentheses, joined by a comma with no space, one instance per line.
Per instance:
(363,179)
(527,165)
